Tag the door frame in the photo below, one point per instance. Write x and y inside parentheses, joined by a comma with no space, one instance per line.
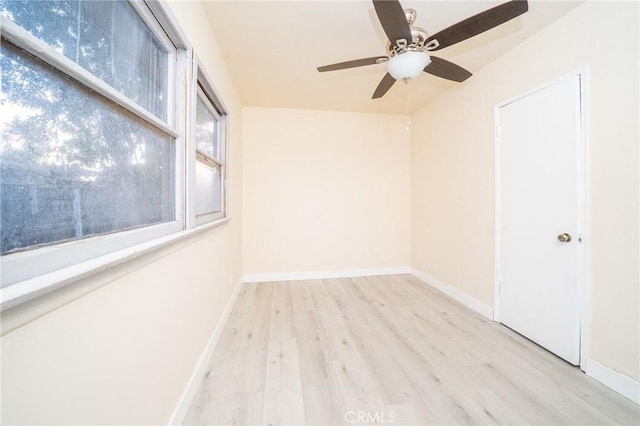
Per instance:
(581,159)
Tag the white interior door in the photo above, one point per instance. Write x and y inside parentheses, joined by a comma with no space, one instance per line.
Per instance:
(538,181)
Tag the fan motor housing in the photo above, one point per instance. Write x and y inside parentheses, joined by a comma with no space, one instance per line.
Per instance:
(419,36)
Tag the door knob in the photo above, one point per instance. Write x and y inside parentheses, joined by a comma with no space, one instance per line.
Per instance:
(564,237)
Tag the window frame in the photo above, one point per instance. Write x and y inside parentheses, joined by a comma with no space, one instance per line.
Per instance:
(201,84)
(39,270)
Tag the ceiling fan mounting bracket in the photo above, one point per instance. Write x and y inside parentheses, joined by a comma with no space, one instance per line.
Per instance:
(411,16)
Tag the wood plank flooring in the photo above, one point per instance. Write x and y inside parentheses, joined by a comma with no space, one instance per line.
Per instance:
(386,350)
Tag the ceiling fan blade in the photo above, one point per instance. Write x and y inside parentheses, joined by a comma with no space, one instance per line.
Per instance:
(384,86)
(393,20)
(351,64)
(479,23)
(445,69)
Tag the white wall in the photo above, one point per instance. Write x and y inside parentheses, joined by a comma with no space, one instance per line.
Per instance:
(453,170)
(124,353)
(324,192)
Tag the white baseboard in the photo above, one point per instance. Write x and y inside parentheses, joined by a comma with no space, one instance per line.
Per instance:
(481,308)
(621,383)
(314,275)
(190,391)
(616,381)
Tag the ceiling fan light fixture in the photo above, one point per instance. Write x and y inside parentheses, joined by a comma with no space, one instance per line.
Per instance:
(406,57)
(407,65)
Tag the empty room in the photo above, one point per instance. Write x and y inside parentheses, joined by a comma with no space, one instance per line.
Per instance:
(218,212)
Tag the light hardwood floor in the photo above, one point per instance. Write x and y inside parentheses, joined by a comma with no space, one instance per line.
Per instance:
(386,350)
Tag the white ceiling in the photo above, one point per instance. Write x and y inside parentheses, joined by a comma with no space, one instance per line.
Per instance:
(273,48)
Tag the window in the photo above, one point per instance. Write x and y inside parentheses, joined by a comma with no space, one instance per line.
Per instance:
(107,38)
(210,137)
(89,132)
(73,164)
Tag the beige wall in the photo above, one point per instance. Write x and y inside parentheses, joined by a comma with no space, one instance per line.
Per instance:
(324,191)
(124,353)
(452,170)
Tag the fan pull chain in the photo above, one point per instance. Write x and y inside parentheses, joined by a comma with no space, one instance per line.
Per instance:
(408,110)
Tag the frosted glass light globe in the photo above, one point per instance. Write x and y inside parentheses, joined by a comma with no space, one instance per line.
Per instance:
(407,65)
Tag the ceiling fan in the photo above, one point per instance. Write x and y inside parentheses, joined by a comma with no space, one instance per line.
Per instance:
(407,46)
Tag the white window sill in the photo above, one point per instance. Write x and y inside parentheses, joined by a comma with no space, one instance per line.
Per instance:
(29,290)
